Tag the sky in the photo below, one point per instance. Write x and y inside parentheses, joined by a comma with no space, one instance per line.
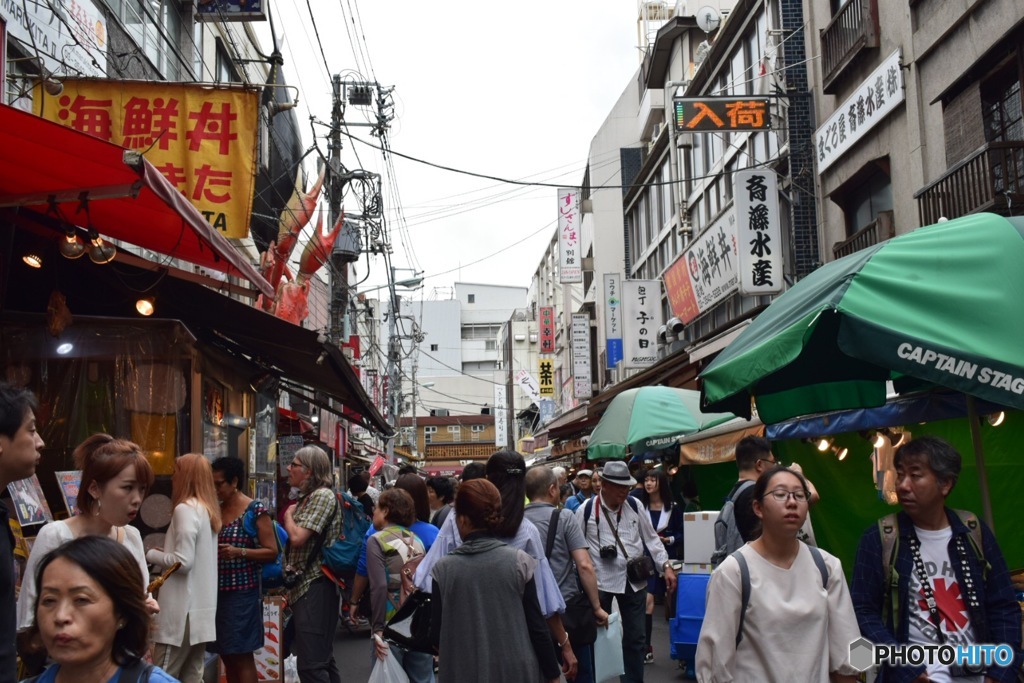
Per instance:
(510,90)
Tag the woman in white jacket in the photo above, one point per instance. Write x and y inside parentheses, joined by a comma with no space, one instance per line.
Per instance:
(188,598)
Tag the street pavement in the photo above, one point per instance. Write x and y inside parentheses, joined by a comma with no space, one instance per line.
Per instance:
(352,652)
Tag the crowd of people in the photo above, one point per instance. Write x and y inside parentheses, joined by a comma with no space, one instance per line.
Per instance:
(521,566)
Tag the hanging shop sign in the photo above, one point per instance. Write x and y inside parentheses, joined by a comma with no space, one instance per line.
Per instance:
(202,139)
(500,416)
(581,376)
(758,230)
(69,35)
(719,114)
(707,272)
(546,322)
(230,10)
(570,260)
(641,318)
(546,376)
(873,100)
(613,318)
(527,382)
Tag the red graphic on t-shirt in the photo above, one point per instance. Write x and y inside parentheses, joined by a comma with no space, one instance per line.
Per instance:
(950,604)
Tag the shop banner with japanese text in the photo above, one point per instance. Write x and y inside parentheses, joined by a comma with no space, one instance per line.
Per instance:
(757,228)
(570,258)
(641,318)
(201,138)
(707,272)
(546,376)
(612,318)
(546,323)
(581,375)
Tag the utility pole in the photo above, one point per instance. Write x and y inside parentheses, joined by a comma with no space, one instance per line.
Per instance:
(335,187)
(394,368)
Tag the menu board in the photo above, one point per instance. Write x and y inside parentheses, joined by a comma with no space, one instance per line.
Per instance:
(69,481)
(29,502)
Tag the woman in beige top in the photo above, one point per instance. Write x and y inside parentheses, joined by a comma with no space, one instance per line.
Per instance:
(799,621)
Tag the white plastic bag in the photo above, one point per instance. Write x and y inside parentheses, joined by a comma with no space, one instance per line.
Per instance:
(291,669)
(608,650)
(388,670)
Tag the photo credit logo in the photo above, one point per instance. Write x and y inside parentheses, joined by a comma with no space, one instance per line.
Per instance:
(972,658)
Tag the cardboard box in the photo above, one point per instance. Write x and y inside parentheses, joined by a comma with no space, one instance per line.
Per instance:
(699,536)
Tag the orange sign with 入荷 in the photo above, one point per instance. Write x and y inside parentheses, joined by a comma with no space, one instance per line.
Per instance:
(202,139)
(721,114)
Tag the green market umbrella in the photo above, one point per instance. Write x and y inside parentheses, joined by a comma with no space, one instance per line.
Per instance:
(942,305)
(648,418)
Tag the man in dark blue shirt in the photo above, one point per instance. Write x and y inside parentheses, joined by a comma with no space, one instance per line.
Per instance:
(945,593)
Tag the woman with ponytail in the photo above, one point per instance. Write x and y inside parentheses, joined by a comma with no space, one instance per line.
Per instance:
(486,622)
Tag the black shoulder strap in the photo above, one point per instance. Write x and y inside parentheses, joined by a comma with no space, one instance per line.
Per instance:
(633,503)
(819,561)
(136,672)
(587,507)
(744,592)
(552,529)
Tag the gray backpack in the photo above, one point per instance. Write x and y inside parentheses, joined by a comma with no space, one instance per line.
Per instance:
(727,535)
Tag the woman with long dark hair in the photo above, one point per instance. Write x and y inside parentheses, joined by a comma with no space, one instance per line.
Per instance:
(667,520)
(486,622)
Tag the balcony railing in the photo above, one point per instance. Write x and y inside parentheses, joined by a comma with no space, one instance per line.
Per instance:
(991,179)
(853,29)
(879,230)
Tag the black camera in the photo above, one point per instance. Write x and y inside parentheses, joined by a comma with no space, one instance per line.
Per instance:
(290,577)
(609,552)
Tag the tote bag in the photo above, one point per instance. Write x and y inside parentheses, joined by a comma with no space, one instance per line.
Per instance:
(608,650)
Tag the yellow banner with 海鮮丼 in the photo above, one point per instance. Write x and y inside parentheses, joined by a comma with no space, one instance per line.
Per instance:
(201,138)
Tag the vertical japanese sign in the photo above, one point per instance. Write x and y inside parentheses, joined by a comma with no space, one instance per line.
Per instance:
(873,100)
(581,375)
(547,329)
(202,139)
(758,231)
(570,263)
(78,41)
(707,271)
(613,318)
(546,376)
(641,318)
(526,382)
(500,416)
(547,410)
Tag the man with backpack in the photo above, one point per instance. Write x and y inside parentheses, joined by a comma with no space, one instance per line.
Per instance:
(584,490)
(618,529)
(933,575)
(312,523)
(566,550)
(737,523)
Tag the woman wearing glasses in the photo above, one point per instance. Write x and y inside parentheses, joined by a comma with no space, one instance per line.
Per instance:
(798,621)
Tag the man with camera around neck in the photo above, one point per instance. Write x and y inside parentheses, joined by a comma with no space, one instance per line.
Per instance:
(617,531)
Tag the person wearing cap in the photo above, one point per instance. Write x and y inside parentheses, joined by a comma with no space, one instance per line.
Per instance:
(618,528)
(582,481)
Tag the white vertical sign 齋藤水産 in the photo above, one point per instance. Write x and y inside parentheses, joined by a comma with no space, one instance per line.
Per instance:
(758,231)
(500,417)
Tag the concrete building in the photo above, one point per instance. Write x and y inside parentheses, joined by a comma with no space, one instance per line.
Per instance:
(919,115)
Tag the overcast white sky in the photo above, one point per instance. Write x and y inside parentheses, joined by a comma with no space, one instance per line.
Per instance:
(513,90)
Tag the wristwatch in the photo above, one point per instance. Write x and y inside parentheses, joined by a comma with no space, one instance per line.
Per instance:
(668,564)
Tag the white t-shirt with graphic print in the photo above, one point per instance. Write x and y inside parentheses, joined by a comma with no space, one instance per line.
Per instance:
(952,604)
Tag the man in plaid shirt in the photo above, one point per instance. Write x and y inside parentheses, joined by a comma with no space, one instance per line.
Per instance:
(313,522)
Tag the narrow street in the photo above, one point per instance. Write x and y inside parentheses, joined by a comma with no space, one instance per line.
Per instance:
(352,652)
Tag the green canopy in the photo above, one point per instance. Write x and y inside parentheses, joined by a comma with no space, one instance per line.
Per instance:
(648,418)
(941,305)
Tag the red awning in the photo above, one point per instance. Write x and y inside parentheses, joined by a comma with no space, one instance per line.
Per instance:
(128,199)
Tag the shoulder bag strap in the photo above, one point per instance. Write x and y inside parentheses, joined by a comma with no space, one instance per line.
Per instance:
(552,529)
(321,536)
(819,562)
(744,592)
